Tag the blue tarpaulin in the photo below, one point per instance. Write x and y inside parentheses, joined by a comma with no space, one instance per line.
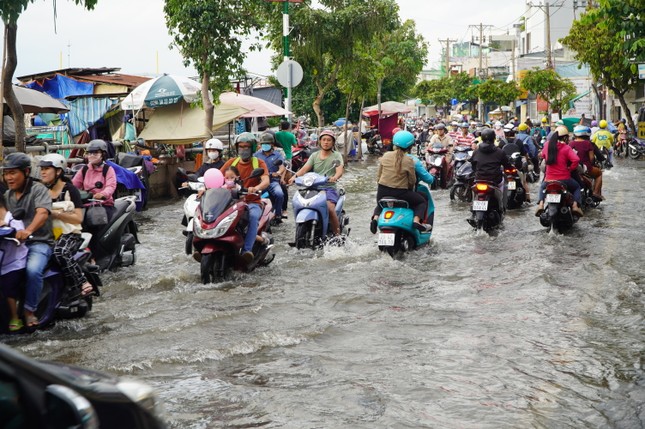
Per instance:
(130,180)
(85,111)
(61,86)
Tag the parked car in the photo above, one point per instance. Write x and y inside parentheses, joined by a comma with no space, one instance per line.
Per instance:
(39,394)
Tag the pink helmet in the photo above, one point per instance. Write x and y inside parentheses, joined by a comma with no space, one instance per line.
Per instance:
(327,133)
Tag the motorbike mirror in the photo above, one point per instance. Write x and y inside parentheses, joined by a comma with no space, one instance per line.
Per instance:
(200,179)
(257,172)
(335,164)
(18,213)
(277,162)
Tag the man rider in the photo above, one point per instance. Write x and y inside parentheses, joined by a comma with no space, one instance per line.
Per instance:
(513,145)
(587,153)
(33,197)
(464,138)
(488,160)
(246,163)
(604,139)
(276,172)
(529,144)
(321,162)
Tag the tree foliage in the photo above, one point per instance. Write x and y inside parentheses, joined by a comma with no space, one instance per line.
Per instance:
(497,92)
(209,35)
(558,92)
(626,18)
(440,92)
(10,11)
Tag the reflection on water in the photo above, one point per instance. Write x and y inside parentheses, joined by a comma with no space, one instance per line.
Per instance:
(525,329)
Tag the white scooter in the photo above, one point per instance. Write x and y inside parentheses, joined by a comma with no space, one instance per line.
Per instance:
(190,207)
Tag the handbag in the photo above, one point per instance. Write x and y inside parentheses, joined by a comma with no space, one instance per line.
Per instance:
(96,216)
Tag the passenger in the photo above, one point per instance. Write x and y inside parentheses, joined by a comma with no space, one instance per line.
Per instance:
(31,196)
(97,178)
(276,172)
(52,175)
(232,179)
(396,177)
(286,140)
(321,162)
(12,266)
(586,152)
(213,149)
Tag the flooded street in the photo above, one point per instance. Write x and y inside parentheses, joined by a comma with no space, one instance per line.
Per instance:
(525,329)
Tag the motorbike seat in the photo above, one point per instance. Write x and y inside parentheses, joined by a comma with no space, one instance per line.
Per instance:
(388,203)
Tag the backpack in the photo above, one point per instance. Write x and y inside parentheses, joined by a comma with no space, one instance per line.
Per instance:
(105,170)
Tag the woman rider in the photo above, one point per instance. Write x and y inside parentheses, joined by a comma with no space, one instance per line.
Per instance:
(396,178)
(52,174)
(98,178)
(213,149)
(561,160)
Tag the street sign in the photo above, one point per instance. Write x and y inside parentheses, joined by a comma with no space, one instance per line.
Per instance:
(641,71)
(289,73)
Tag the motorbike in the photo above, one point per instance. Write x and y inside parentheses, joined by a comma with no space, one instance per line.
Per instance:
(589,200)
(460,156)
(635,148)
(488,206)
(300,155)
(219,227)
(397,233)
(515,192)
(190,207)
(114,245)
(58,299)
(374,143)
(310,211)
(436,162)
(558,203)
(464,181)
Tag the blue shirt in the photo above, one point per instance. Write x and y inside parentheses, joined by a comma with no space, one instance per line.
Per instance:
(422,173)
(270,160)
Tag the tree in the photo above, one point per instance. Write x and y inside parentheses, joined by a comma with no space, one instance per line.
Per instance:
(625,18)
(497,92)
(558,92)
(209,35)
(605,50)
(440,92)
(10,11)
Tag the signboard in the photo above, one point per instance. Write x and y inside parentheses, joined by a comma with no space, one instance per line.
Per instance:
(289,73)
(641,71)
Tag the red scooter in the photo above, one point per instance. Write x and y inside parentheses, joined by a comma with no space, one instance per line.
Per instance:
(220,224)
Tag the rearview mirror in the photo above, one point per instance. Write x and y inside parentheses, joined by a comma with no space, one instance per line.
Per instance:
(67,409)
(257,172)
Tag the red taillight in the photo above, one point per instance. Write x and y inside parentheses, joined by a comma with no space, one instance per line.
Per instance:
(482,187)
(388,214)
(510,171)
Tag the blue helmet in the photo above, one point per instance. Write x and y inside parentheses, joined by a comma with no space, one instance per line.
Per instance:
(403,139)
(581,130)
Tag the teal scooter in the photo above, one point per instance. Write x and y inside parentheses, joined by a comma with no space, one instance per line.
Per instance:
(397,233)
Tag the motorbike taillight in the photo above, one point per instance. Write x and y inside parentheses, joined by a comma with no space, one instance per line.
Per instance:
(553,188)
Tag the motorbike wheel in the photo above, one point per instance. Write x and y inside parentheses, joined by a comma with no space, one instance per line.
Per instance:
(633,152)
(302,232)
(206,268)
(189,244)
(459,192)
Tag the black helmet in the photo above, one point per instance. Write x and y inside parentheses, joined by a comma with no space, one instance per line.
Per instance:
(18,160)
(488,135)
(267,138)
(97,144)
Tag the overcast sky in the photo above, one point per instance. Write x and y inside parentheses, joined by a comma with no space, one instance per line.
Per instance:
(131,34)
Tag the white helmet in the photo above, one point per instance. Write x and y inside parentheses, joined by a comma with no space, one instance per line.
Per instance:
(214,144)
(53,160)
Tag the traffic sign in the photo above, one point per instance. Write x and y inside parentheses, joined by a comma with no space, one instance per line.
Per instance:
(289,73)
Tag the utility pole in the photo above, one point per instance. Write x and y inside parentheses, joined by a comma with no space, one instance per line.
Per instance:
(550,63)
(480,70)
(447,41)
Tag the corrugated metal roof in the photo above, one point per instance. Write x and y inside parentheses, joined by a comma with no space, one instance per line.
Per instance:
(104,75)
(116,79)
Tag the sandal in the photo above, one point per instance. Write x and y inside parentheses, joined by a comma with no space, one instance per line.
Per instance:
(31,321)
(15,325)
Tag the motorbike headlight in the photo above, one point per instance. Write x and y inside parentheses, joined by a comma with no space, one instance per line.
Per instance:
(308,181)
(437,162)
(216,232)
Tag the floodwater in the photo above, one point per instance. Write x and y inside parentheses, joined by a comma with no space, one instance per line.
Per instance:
(522,330)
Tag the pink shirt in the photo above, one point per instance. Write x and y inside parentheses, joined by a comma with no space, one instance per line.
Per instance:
(95,174)
(566,162)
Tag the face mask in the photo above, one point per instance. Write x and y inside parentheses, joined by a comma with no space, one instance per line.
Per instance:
(245,153)
(94,158)
(266,147)
(213,155)
(229,183)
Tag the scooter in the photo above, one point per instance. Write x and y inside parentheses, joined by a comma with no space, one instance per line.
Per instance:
(461,155)
(114,245)
(488,206)
(374,143)
(559,202)
(397,233)
(190,207)
(219,228)
(515,192)
(464,180)
(436,163)
(58,300)
(310,211)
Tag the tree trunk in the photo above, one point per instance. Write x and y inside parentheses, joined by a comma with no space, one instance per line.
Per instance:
(209,109)
(7,88)
(627,112)
(318,110)
(345,128)
(360,125)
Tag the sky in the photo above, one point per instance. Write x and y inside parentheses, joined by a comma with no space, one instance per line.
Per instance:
(131,34)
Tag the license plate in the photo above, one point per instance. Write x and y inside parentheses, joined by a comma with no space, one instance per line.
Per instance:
(512,186)
(386,239)
(553,198)
(480,206)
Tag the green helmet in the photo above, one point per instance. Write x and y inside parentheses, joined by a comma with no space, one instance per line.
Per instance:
(247,137)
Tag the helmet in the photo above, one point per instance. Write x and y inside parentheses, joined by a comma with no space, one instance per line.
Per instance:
(18,160)
(545,120)
(562,131)
(246,138)
(581,130)
(454,123)
(403,139)
(327,133)
(53,160)
(214,144)
(440,126)
(523,127)
(498,124)
(594,123)
(488,135)
(464,125)
(509,128)
(95,145)
(602,124)
(267,138)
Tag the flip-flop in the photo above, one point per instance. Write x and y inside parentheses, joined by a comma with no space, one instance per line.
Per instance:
(15,325)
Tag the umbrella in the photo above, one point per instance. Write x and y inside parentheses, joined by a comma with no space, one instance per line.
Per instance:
(387,108)
(162,91)
(33,101)
(257,107)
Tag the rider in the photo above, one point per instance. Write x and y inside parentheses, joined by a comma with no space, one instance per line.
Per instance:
(213,149)
(97,178)
(287,140)
(276,172)
(604,139)
(464,138)
(512,145)
(488,160)
(321,162)
(526,139)
(586,152)
(31,196)
(52,174)
(561,160)
(245,162)
(397,178)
